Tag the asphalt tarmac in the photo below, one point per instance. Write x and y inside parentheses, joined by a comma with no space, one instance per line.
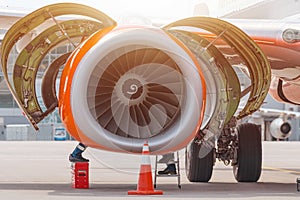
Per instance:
(40,170)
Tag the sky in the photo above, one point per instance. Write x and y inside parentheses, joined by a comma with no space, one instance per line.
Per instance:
(160,9)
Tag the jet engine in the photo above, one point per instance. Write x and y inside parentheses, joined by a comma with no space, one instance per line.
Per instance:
(280,129)
(122,85)
(130,85)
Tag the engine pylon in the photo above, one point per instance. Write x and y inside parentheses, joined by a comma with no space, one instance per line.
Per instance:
(145,183)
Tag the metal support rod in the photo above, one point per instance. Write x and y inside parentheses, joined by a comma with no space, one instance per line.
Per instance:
(245,91)
(61,29)
(212,42)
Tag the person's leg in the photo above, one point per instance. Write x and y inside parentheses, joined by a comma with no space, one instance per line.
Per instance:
(169,160)
(76,155)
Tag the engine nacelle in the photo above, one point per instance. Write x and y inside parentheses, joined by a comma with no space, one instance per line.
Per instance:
(129,85)
(284,91)
(123,85)
(280,129)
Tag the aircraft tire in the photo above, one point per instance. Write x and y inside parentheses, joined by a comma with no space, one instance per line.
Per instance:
(198,169)
(249,154)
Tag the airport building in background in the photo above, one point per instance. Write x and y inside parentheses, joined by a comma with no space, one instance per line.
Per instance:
(14,126)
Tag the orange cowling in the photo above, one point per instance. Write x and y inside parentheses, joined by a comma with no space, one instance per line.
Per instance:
(124,85)
(65,86)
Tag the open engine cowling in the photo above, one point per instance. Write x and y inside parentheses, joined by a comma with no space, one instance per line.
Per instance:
(122,85)
(130,85)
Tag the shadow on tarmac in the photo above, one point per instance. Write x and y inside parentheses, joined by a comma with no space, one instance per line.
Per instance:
(191,190)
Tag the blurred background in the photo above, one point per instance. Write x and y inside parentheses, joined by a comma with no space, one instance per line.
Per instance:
(14,126)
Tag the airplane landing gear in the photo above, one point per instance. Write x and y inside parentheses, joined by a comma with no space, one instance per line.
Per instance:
(239,146)
(198,169)
(249,154)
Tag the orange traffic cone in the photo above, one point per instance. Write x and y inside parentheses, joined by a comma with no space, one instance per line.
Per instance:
(145,184)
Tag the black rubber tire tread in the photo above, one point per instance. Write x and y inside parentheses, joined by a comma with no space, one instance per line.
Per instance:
(198,169)
(248,168)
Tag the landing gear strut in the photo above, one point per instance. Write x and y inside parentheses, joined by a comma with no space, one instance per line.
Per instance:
(239,146)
